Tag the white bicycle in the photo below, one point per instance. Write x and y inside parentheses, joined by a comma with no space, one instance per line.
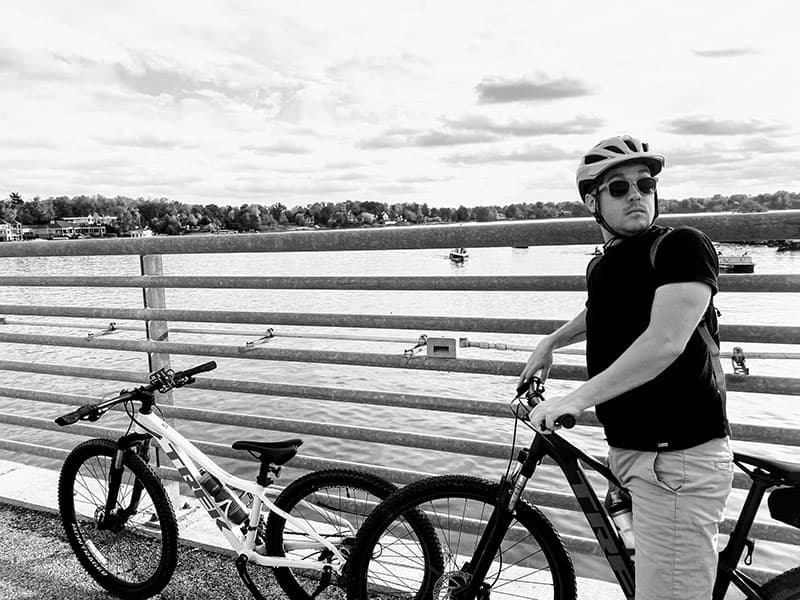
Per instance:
(122,525)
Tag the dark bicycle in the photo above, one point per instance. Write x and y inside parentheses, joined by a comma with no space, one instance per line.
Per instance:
(490,543)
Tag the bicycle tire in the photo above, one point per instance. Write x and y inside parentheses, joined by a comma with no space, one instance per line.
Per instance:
(466,502)
(785,586)
(136,557)
(345,494)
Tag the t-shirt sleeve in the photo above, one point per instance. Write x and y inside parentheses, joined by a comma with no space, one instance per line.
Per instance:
(685,255)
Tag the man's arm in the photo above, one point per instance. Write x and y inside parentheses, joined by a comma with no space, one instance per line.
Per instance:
(676,311)
(571,332)
(541,359)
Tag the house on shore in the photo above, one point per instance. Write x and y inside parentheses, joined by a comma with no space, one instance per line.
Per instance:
(10,231)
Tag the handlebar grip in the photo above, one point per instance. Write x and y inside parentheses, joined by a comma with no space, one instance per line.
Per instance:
(76,415)
(566,421)
(209,366)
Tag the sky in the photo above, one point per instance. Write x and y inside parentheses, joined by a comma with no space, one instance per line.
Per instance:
(437,102)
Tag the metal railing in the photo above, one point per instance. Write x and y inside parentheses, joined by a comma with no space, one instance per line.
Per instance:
(155,314)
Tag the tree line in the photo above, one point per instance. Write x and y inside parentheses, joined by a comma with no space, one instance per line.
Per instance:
(164,216)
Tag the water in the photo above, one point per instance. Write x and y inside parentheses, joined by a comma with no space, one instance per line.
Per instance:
(755,309)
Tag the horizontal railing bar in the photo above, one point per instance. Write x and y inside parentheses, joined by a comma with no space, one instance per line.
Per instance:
(460,446)
(721,227)
(741,432)
(542,283)
(742,383)
(769,334)
(301,462)
(529,326)
(277,335)
(329,430)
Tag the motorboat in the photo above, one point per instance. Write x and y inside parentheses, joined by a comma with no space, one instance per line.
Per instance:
(736,264)
(459,255)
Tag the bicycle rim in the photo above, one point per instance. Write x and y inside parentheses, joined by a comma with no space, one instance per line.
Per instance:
(395,561)
(334,503)
(135,556)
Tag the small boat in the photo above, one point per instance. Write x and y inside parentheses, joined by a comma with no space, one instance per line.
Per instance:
(459,255)
(788,245)
(597,252)
(736,264)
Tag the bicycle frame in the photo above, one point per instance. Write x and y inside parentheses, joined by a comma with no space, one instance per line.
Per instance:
(567,457)
(188,460)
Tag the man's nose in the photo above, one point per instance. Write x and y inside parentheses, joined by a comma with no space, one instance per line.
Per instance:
(634,194)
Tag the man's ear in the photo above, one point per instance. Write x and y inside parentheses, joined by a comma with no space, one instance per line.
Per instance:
(590,202)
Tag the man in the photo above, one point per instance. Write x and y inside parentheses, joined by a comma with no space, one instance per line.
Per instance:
(651,373)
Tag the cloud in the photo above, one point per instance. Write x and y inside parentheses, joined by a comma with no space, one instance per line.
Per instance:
(280,147)
(765,145)
(141,141)
(406,138)
(180,86)
(498,90)
(477,129)
(526,128)
(724,52)
(540,153)
(711,126)
(702,156)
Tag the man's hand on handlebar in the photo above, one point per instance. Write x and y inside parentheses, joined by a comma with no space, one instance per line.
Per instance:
(540,361)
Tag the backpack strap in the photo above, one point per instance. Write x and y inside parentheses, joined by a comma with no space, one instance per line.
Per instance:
(592,264)
(716,363)
(702,328)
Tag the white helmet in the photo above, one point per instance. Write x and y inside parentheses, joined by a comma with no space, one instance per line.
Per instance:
(610,153)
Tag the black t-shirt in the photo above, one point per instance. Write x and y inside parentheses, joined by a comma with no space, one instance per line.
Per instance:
(681,407)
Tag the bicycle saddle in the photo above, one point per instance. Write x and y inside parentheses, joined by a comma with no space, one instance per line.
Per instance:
(276,453)
(778,468)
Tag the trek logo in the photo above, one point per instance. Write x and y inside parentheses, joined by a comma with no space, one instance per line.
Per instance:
(199,491)
(602,528)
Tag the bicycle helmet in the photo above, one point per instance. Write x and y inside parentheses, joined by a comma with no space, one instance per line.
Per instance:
(608,154)
(613,152)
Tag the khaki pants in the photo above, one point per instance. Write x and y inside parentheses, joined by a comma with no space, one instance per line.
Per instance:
(678,503)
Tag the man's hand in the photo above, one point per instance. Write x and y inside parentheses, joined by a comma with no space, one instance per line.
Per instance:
(544,415)
(541,359)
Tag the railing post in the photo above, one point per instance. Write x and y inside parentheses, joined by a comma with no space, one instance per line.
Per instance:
(151,264)
(156,330)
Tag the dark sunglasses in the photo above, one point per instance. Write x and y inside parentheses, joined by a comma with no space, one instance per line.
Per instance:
(620,187)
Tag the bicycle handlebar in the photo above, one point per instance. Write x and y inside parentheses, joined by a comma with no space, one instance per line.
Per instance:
(533,392)
(162,380)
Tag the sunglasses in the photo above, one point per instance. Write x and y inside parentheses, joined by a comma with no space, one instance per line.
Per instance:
(620,187)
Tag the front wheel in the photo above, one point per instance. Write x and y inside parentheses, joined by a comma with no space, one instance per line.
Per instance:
(785,586)
(334,503)
(131,550)
(392,560)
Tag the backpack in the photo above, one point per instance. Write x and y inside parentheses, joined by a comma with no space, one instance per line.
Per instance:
(702,327)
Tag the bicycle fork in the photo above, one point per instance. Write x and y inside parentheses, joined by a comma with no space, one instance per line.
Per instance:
(511,489)
(111,519)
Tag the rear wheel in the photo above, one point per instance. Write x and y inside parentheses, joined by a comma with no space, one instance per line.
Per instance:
(393,560)
(131,552)
(785,586)
(334,503)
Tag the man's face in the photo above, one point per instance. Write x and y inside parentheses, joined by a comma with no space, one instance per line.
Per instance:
(631,213)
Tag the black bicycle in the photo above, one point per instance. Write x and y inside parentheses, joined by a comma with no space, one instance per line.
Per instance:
(490,543)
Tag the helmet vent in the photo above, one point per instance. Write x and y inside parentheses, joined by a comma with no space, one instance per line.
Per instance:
(645,147)
(613,149)
(593,158)
(630,145)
